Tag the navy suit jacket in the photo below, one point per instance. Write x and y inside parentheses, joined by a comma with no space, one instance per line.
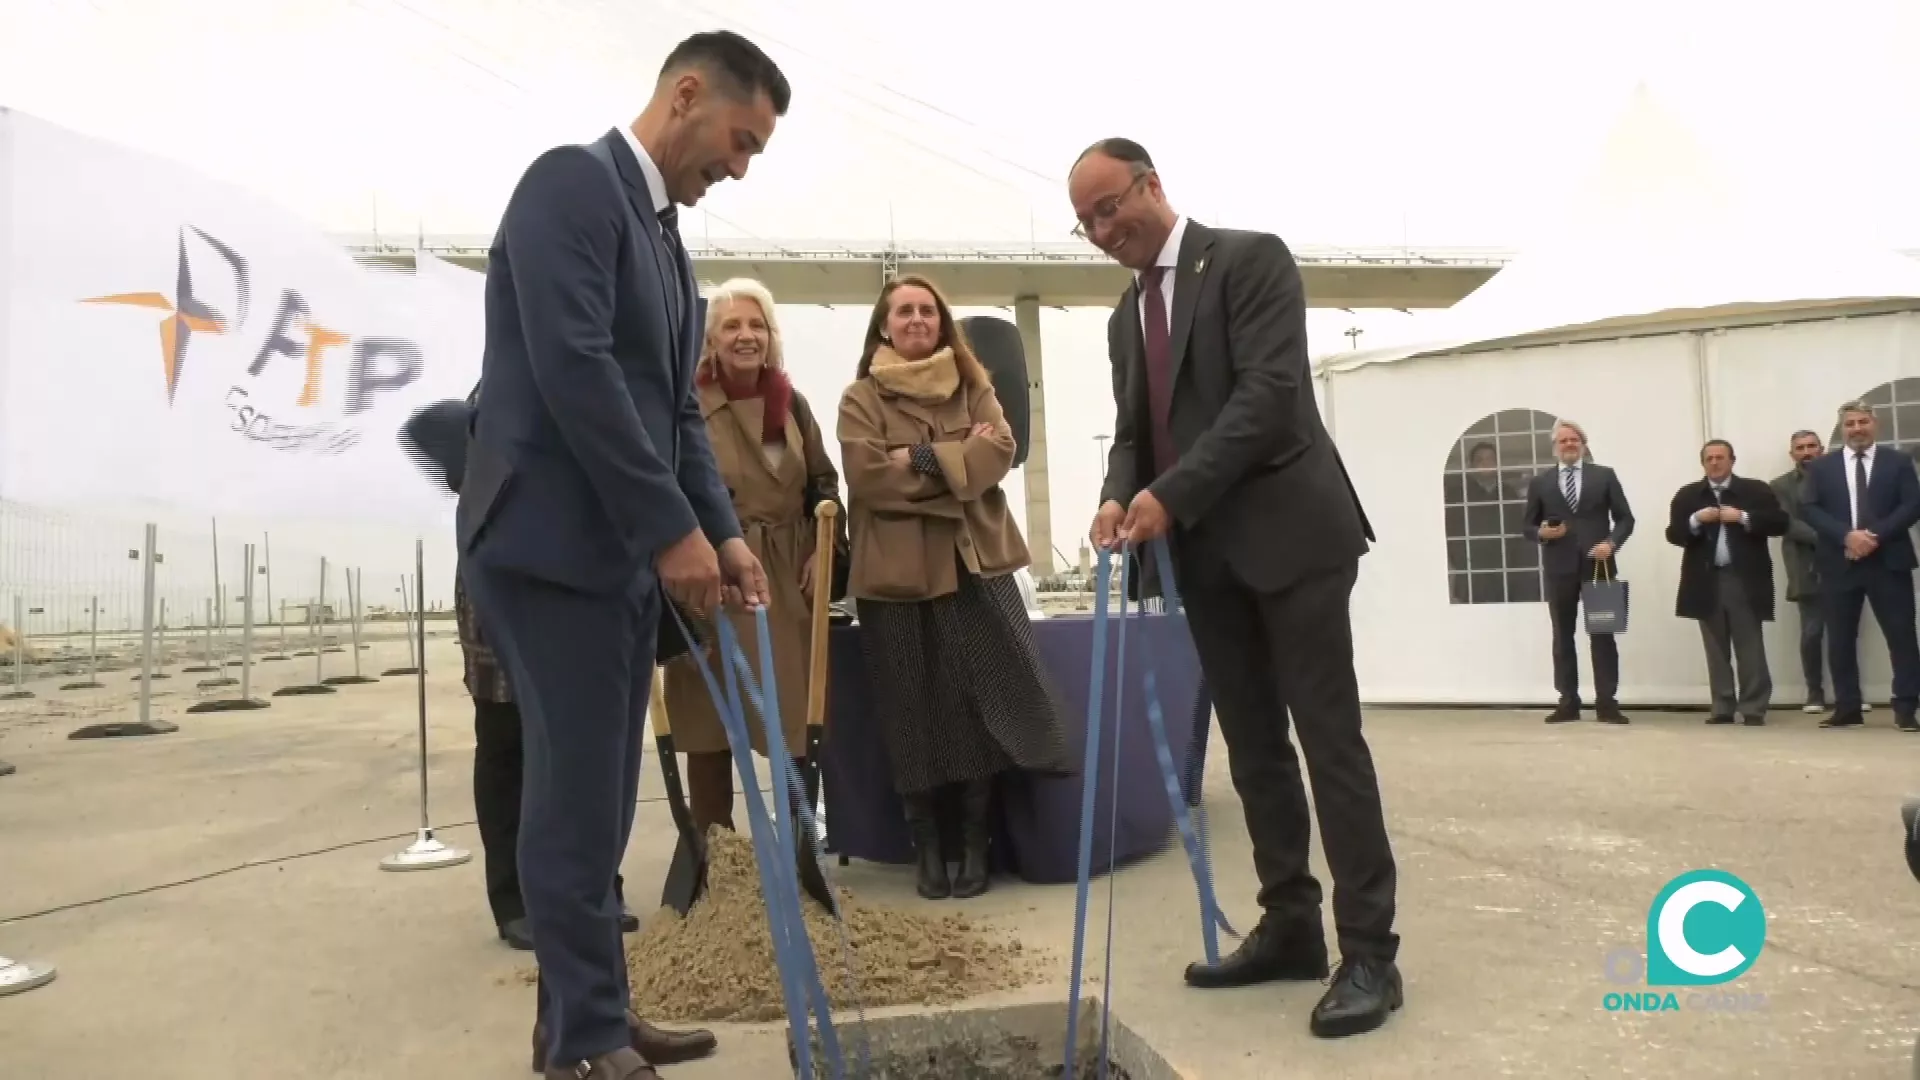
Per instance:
(588,455)
(1892,507)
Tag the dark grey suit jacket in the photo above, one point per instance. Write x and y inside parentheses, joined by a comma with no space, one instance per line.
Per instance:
(588,454)
(1796,548)
(1603,515)
(1259,485)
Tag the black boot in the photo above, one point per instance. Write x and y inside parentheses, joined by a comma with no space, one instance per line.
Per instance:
(976,805)
(932,880)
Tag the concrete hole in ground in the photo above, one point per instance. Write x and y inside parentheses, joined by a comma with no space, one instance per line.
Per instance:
(1016,1042)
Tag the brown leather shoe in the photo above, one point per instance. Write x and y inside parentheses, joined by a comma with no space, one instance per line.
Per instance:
(656,1046)
(622,1064)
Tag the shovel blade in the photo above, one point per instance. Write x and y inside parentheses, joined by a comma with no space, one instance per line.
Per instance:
(686,876)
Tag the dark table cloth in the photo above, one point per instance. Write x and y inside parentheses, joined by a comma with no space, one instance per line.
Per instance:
(1038,819)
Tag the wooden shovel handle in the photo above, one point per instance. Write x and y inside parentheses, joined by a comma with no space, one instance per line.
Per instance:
(824,533)
(657,709)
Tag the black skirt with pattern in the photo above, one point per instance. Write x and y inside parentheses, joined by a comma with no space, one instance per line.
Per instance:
(959,686)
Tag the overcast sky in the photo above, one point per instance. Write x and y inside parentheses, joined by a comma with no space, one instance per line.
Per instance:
(1366,122)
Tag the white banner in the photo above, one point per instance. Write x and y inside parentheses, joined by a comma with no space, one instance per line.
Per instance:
(166,337)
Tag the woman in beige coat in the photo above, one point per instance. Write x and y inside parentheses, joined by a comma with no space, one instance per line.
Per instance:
(958,685)
(774,462)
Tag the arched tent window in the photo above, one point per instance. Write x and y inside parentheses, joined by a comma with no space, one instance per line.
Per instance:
(1484,487)
(1896,405)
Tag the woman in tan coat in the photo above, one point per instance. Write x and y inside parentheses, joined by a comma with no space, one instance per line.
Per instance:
(957,683)
(774,461)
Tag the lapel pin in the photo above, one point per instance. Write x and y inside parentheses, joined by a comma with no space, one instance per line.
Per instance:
(1200,266)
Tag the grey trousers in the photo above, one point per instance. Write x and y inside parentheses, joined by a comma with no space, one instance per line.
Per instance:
(1731,635)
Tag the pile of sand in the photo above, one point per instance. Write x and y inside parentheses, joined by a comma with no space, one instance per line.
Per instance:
(716,964)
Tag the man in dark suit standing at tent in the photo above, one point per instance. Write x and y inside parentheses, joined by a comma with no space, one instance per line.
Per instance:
(1218,444)
(1577,512)
(1861,499)
(589,488)
(1797,559)
(1721,524)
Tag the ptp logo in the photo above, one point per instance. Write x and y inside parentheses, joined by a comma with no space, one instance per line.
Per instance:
(1705,928)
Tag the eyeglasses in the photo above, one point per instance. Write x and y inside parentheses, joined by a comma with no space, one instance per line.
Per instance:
(1104,210)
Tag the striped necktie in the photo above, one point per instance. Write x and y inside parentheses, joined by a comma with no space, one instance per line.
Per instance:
(1570,487)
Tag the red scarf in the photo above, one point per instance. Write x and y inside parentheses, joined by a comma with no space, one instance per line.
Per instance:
(773,389)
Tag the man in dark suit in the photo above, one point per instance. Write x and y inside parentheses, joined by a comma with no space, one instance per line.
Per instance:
(1577,512)
(1796,559)
(1218,444)
(1721,524)
(589,488)
(1861,500)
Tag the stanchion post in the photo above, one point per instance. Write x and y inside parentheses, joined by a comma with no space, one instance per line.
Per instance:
(246,630)
(320,628)
(19,691)
(315,612)
(414,662)
(150,559)
(209,664)
(266,549)
(353,621)
(246,700)
(426,852)
(93,642)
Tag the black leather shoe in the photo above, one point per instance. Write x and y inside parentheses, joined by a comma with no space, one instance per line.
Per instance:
(629,922)
(1565,714)
(1364,993)
(1756,720)
(1905,722)
(1610,714)
(1272,952)
(1843,719)
(1718,719)
(517,934)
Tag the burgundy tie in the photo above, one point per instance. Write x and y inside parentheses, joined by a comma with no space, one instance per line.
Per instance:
(1159,368)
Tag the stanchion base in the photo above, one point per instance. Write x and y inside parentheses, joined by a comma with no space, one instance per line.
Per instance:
(20,976)
(274,656)
(333,648)
(349,680)
(200,669)
(400,671)
(228,705)
(214,684)
(303,652)
(122,729)
(16,695)
(84,684)
(364,648)
(425,853)
(302,691)
(6,768)
(236,663)
(156,677)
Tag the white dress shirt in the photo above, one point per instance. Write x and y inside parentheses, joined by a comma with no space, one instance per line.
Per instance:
(1169,258)
(656,184)
(1853,492)
(1579,480)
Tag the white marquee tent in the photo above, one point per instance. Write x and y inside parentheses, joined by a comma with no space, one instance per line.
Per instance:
(1663,312)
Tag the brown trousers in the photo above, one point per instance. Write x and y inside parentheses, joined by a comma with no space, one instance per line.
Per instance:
(710,788)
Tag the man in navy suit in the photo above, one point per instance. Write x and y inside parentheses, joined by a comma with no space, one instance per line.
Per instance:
(590,487)
(1861,500)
